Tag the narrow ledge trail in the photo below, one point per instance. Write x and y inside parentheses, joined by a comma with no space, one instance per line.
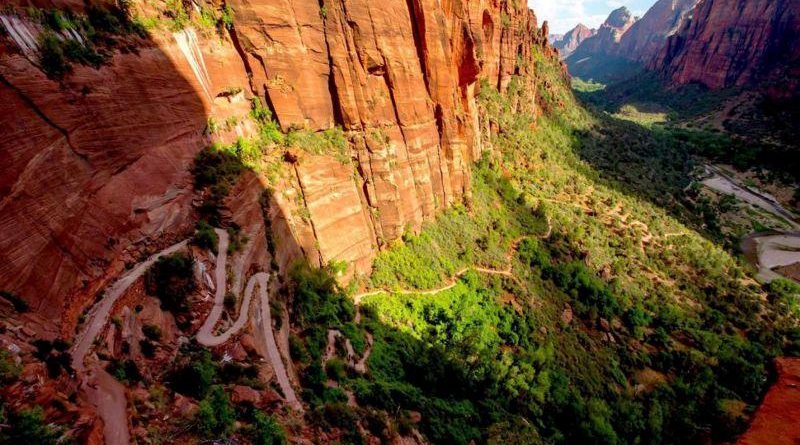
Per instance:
(453,280)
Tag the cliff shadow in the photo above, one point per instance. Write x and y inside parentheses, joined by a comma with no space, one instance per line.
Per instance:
(101,122)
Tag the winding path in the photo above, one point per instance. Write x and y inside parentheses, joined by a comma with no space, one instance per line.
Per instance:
(103,391)
(205,336)
(453,280)
(108,395)
(98,316)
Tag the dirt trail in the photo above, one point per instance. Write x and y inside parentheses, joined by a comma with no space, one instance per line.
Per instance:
(105,393)
(205,336)
(108,395)
(98,316)
(264,319)
(453,280)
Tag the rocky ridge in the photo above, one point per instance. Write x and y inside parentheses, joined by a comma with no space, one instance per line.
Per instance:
(570,41)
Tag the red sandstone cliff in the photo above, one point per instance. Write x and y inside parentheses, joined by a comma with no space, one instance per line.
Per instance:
(94,167)
(737,42)
(623,45)
(567,43)
(647,36)
(607,37)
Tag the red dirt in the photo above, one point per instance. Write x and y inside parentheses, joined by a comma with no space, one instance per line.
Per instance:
(777,421)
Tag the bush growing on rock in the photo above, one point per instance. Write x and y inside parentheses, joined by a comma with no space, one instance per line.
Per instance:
(266,431)
(215,415)
(205,237)
(28,427)
(171,279)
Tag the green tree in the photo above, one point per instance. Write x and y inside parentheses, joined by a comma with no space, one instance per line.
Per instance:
(215,415)
(266,430)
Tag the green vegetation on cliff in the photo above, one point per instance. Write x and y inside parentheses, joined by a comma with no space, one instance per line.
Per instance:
(618,322)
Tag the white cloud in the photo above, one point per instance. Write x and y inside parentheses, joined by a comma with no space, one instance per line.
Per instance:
(563,15)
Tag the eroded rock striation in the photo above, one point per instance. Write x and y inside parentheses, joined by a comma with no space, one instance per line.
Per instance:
(734,43)
(95,166)
(644,40)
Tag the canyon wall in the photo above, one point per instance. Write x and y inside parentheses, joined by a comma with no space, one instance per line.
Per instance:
(644,40)
(623,46)
(95,167)
(736,42)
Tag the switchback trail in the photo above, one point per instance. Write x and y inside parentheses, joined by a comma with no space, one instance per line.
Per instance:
(205,336)
(104,392)
(108,395)
(98,316)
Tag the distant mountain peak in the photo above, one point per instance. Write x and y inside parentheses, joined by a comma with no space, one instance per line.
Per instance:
(619,17)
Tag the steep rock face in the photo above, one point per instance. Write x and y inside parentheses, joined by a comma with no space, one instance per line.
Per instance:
(91,168)
(608,35)
(572,39)
(644,40)
(736,42)
(596,58)
(95,167)
(775,420)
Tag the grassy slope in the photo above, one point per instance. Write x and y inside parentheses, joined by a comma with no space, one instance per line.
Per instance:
(692,334)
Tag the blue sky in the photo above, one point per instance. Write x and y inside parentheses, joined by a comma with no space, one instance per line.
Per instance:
(563,15)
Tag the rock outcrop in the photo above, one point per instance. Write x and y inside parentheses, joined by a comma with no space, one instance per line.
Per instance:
(608,36)
(570,41)
(737,42)
(95,167)
(775,421)
(644,40)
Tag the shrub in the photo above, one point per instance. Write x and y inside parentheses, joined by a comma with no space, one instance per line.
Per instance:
(266,431)
(229,301)
(196,376)
(29,427)
(335,369)
(215,414)
(226,19)
(19,304)
(9,369)
(51,56)
(205,237)
(124,371)
(152,332)
(148,348)
(171,279)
